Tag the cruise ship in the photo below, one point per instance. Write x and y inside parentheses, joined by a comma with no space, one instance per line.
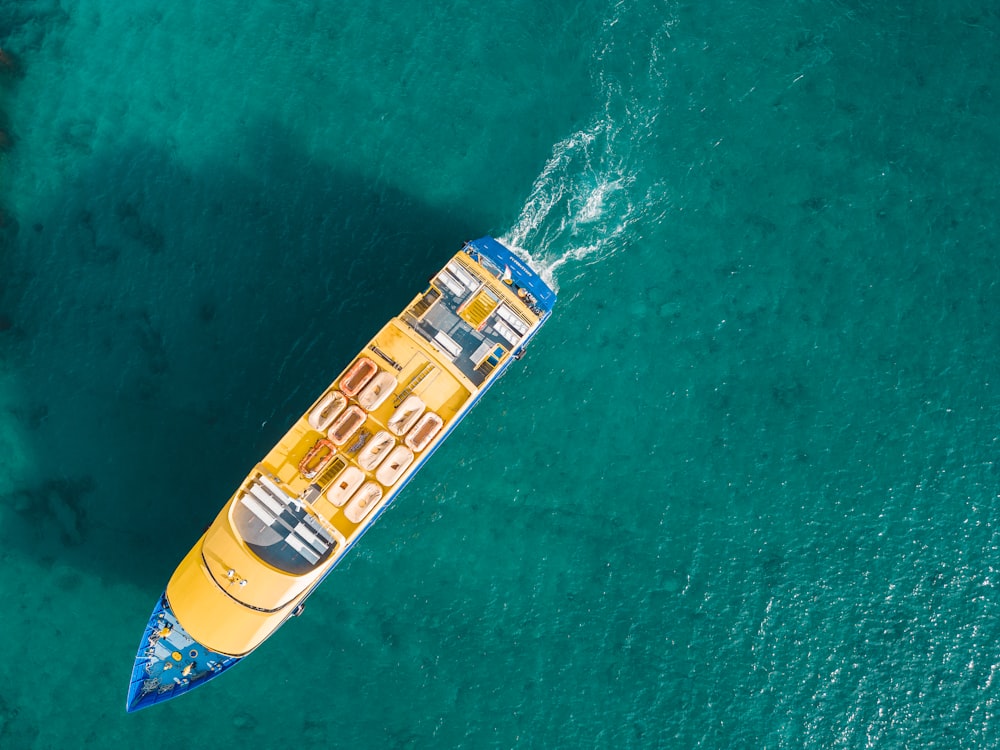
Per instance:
(339,466)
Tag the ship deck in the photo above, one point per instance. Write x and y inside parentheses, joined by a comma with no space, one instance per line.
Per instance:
(338,468)
(469,320)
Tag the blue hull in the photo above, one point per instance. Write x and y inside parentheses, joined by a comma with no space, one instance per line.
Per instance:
(170,662)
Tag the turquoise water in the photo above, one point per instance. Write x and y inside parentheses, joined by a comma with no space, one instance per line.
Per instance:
(741,493)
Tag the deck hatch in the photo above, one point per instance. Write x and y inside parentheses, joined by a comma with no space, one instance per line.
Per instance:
(331,472)
(421,305)
(479,308)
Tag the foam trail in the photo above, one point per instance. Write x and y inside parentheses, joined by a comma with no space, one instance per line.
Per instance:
(576,201)
(589,192)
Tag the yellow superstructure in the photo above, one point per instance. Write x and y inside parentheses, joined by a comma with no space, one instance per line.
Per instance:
(345,458)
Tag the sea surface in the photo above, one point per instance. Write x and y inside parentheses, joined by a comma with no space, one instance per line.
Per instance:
(743,490)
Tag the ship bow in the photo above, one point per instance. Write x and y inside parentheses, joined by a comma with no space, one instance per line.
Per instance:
(170,662)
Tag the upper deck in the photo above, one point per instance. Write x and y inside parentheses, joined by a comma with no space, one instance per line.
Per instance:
(344,460)
(472,318)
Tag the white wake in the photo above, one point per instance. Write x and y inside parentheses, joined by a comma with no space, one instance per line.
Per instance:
(591,190)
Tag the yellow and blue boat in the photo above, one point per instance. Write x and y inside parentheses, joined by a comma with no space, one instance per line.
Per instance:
(310,499)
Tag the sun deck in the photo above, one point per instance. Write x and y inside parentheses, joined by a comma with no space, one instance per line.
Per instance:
(349,454)
(355,447)
(358,443)
(470,318)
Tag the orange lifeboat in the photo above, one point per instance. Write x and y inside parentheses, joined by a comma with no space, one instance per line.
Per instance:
(357,376)
(424,431)
(346,425)
(317,458)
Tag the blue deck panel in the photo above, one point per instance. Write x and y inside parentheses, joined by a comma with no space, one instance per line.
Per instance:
(156,675)
(523,275)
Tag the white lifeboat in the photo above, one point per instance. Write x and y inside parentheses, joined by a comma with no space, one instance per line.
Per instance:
(395,464)
(376,450)
(323,414)
(348,481)
(363,501)
(406,415)
(377,391)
